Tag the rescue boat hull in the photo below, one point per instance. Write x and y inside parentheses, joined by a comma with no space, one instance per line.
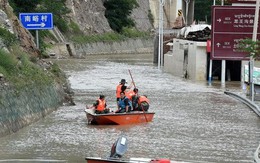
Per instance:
(100,160)
(119,118)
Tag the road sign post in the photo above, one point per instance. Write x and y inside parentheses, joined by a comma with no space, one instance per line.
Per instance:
(36,21)
(251,58)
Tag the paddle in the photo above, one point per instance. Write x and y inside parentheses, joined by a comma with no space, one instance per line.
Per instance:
(135,87)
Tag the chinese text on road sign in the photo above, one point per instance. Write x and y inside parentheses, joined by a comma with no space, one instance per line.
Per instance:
(35,21)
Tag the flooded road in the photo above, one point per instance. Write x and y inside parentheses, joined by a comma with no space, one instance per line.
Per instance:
(193,122)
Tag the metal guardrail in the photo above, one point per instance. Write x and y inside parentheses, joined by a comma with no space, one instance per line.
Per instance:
(256,109)
(246,101)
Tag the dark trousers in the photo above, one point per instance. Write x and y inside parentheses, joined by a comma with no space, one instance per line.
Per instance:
(102,112)
(120,111)
(144,106)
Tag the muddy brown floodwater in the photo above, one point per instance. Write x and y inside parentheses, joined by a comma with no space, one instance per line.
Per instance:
(193,121)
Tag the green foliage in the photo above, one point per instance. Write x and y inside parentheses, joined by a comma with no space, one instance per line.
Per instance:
(24,5)
(55,69)
(202,9)
(56,7)
(21,72)
(74,28)
(118,12)
(61,24)
(7,63)
(7,37)
(42,44)
(250,46)
(106,37)
(59,11)
(133,33)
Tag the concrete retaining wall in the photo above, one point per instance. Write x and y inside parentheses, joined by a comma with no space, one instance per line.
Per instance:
(124,47)
(21,108)
(67,50)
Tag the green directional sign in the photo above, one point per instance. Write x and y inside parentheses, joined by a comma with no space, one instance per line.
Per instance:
(256,75)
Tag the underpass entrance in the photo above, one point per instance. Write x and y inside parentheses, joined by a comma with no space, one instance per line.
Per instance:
(233,70)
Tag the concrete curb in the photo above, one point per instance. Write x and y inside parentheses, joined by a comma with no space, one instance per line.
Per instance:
(256,109)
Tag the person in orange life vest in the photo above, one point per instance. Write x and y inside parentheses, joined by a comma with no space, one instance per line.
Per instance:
(121,87)
(124,104)
(143,103)
(129,94)
(132,95)
(100,105)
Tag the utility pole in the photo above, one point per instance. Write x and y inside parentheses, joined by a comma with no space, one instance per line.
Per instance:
(251,71)
(223,63)
(187,9)
(160,31)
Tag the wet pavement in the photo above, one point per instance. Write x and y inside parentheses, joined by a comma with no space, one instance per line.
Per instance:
(193,121)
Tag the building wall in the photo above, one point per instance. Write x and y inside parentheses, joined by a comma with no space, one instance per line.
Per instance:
(197,61)
(174,61)
(187,59)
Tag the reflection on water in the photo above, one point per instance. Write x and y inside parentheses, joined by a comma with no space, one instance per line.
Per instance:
(193,121)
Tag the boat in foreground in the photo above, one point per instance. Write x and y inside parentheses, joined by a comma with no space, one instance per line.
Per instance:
(131,160)
(118,150)
(118,118)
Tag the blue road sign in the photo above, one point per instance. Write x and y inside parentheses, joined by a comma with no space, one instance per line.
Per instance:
(35,21)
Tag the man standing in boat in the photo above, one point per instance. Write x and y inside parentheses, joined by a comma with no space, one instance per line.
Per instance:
(124,104)
(121,87)
(100,105)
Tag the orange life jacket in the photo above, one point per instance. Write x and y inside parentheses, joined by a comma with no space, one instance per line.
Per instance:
(129,94)
(118,90)
(142,99)
(101,105)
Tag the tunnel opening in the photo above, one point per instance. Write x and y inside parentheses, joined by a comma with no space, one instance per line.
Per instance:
(233,70)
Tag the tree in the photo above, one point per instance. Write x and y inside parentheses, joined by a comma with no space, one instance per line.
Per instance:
(250,46)
(59,11)
(202,9)
(56,7)
(118,12)
(24,5)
